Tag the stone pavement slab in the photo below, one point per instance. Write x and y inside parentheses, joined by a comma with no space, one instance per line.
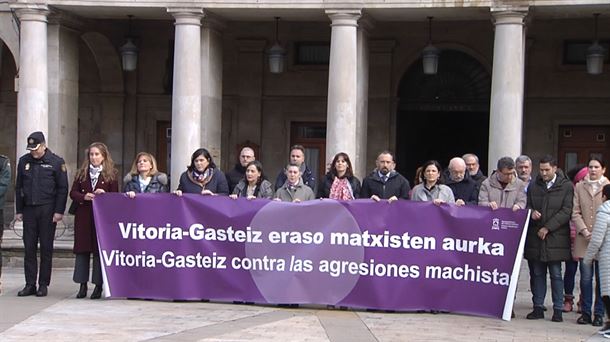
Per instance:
(62,317)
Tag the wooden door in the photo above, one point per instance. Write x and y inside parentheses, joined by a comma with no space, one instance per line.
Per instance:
(577,144)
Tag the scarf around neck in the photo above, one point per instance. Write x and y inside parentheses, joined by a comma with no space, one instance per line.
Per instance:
(94,174)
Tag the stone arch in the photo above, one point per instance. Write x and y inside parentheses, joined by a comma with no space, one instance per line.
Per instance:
(10,35)
(450,109)
(107,60)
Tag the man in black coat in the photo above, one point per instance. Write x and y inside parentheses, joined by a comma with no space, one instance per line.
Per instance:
(41,191)
(550,197)
(384,182)
(465,189)
(239,171)
(297,157)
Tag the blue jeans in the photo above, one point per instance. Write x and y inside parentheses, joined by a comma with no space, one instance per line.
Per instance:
(538,282)
(568,277)
(586,288)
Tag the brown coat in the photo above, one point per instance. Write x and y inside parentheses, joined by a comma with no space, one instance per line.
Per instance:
(85,238)
(586,203)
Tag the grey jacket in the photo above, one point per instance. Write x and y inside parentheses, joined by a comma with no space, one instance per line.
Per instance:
(599,246)
(514,193)
(439,191)
(265,189)
(301,192)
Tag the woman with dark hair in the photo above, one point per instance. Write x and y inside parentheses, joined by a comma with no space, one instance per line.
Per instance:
(253,185)
(340,182)
(587,198)
(599,248)
(144,176)
(430,188)
(202,176)
(96,176)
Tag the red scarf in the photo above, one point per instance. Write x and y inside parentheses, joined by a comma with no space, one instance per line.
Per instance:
(341,189)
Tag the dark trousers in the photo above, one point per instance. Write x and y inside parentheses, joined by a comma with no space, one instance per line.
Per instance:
(81,268)
(38,227)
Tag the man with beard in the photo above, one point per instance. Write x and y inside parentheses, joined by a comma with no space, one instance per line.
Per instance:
(384,182)
(239,171)
(524,169)
(465,189)
(474,168)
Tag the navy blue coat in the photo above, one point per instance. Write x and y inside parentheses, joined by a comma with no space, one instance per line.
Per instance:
(218,184)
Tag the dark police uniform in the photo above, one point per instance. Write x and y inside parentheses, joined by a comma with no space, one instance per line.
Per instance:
(5,180)
(41,190)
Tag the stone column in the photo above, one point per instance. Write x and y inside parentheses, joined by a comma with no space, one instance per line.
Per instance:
(33,96)
(341,119)
(506,108)
(186,97)
(362,106)
(211,86)
(63,42)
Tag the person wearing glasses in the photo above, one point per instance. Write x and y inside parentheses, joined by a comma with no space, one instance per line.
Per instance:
(503,189)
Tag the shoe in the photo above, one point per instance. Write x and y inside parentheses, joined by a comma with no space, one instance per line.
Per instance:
(598,321)
(568,303)
(538,313)
(606,335)
(557,315)
(82,292)
(42,291)
(28,290)
(97,292)
(605,329)
(584,319)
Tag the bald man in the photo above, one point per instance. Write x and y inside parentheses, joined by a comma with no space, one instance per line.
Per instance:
(465,189)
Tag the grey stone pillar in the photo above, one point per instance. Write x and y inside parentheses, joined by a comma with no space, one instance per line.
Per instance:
(506,108)
(63,42)
(186,97)
(341,119)
(33,96)
(362,106)
(211,86)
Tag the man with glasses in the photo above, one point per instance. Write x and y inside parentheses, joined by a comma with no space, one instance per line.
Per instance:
(503,189)
(464,188)
(239,171)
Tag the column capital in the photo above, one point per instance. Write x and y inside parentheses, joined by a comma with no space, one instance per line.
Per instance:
(31,12)
(344,17)
(66,19)
(366,23)
(214,22)
(186,15)
(513,16)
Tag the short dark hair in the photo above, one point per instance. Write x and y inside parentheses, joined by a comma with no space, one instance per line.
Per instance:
(506,163)
(259,167)
(422,176)
(606,191)
(599,160)
(548,159)
(387,152)
(297,147)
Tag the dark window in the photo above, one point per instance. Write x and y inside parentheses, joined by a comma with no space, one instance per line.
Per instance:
(311,53)
(575,51)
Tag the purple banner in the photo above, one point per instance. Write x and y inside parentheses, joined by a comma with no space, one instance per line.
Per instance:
(362,254)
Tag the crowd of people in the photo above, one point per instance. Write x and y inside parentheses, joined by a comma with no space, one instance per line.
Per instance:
(568,223)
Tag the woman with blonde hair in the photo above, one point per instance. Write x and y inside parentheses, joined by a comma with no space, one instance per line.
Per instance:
(96,176)
(144,176)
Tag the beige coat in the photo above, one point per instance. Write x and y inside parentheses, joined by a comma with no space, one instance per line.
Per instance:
(586,203)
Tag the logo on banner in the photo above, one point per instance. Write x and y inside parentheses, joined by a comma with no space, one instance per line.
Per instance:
(495,224)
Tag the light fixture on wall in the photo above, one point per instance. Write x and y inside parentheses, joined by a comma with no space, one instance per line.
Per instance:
(129,51)
(595,54)
(430,53)
(276,53)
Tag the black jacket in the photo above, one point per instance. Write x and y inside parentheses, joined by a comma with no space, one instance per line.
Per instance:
(41,181)
(324,191)
(467,189)
(307,176)
(217,185)
(396,185)
(555,205)
(235,175)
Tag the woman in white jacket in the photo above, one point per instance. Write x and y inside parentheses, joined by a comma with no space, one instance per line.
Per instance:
(599,249)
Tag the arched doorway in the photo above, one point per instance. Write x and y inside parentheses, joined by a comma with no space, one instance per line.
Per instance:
(444,115)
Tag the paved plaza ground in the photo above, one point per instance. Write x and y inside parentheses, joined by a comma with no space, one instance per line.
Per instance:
(62,317)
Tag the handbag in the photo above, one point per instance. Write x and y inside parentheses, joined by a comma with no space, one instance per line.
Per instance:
(73,207)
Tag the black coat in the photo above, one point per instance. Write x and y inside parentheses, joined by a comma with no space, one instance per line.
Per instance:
(217,185)
(324,190)
(396,185)
(235,175)
(555,205)
(41,181)
(467,189)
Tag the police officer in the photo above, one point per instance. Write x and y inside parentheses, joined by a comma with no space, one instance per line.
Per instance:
(41,191)
(5,180)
